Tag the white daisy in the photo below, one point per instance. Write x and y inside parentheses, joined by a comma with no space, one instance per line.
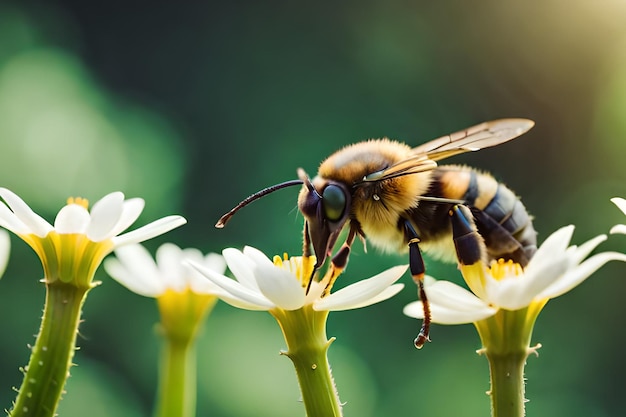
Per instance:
(555,269)
(261,284)
(74,247)
(286,288)
(184,296)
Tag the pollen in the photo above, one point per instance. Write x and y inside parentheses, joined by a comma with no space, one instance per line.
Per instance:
(300,266)
(79,201)
(278,261)
(502,269)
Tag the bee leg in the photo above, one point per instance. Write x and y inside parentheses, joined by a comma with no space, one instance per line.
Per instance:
(416,265)
(340,260)
(468,243)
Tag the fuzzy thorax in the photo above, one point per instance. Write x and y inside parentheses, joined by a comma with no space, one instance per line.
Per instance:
(377,206)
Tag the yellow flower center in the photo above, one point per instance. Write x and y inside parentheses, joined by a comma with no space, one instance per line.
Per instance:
(78,200)
(182,312)
(300,266)
(501,269)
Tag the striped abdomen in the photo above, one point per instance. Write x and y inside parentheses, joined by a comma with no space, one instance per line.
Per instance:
(500,216)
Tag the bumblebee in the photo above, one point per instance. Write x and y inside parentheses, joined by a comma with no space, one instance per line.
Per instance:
(399,199)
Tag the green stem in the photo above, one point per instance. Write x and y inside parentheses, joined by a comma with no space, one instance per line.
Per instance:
(177,386)
(507,384)
(316,382)
(51,357)
(305,333)
(506,344)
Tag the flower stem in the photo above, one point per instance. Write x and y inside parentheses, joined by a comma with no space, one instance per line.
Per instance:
(507,384)
(182,314)
(316,382)
(506,344)
(305,333)
(177,386)
(51,357)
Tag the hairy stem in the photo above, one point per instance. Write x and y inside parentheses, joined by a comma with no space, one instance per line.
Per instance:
(305,333)
(51,356)
(507,384)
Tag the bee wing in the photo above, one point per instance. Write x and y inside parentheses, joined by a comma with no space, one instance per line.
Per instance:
(477,137)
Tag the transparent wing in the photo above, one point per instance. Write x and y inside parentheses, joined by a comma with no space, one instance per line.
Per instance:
(477,137)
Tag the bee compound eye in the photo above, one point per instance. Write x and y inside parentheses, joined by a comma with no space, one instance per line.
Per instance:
(333,202)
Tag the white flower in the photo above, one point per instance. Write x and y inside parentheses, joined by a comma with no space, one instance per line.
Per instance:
(621,204)
(109,217)
(138,271)
(555,269)
(74,247)
(5,249)
(183,295)
(261,284)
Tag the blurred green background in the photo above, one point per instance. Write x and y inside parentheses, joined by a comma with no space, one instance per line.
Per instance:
(194,106)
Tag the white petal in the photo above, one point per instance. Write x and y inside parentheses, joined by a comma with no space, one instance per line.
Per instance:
(509,293)
(241,267)
(197,256)
(239,302)
(195,280)
(257,256)
(450,295)
(105,214)
(9,221)
(515,292)
(215,262)
(119,272)
(35,223)
(581,273)
(554,245)
(382,296)
(315,291)
(199,283)
(131,209)
(169,261)
(141,269)
(620,203)
(156,228)
(235,290)
(586,248)
(72,219)
(5,249)
(450,304)
(619,228)
(138,259)
(280,286)
(444,315)
(358,294)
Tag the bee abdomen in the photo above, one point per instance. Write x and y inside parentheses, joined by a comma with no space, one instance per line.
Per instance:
(503,222)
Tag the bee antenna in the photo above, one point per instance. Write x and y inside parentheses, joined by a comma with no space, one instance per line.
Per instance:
(226,217)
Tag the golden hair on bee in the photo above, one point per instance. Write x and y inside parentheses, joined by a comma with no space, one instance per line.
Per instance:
(378,204)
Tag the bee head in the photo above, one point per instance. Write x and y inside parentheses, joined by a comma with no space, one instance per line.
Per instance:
(325,206)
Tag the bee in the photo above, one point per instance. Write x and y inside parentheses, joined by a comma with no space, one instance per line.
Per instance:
(399,199)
